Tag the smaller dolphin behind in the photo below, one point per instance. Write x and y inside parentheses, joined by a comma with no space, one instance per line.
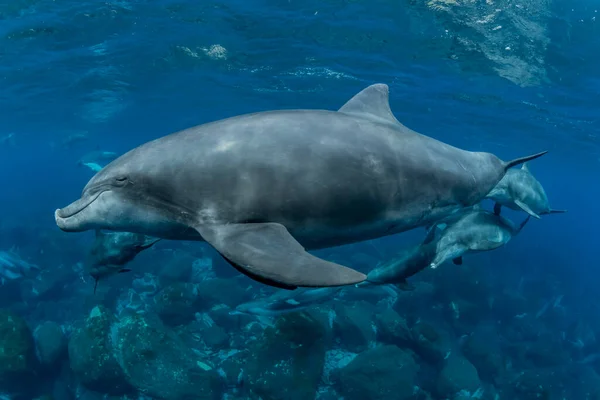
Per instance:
(8,140)
(476,231)
(12,267)
(519,190)
(96,160)
(111,251)
(283,302)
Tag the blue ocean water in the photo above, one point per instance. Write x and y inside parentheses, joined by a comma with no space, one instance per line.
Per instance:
(507,77)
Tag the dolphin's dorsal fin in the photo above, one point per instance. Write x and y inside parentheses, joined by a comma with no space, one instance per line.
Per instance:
(525,167)
(373,103)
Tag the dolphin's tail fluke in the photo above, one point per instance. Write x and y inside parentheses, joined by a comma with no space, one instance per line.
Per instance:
(517,161)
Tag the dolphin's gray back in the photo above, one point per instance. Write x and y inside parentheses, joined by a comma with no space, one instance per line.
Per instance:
(308,169)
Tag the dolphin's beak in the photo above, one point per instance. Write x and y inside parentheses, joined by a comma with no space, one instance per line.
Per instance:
(60,221)
(69,219)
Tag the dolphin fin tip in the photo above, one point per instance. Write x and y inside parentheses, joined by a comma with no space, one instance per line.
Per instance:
(557,211)
(521,160)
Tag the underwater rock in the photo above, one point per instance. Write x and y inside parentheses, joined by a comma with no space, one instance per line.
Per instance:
(12,293)
(415,303)
(585,383)
(542,384)
(383,373)
(392,328)
(64,385)
(202,270)
(51,345)
(353,326)
(456,375)
(509,304)
(465,284)
(465,315)
(222,317)
(545,352)
(155,361)
(91,355)
(212,292)
(220,267)
(130,301)
(204,330)
(232,370)
(49,285)
(287,362)
(177,269)
(431,344)
(215,337)
(17,355)
(482,349)
(177,303)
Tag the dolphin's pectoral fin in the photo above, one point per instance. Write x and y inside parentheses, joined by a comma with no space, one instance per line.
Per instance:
(497,208)
(259,278)
(458,261)
(268,253)
(149,241)
(526,208)
(552,211)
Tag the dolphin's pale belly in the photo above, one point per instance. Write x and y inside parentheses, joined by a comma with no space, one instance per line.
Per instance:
(319,236)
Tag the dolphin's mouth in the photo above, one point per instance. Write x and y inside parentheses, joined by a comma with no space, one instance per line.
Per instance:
(77,206)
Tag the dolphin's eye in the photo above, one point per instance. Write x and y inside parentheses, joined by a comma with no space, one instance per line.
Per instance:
(121,181)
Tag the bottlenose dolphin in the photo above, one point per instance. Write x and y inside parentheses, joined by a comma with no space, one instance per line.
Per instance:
(264,188)
(112,250)
(12,267)
(519,190)
(96,160)
(476,231)
(8,140)
(286,302)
